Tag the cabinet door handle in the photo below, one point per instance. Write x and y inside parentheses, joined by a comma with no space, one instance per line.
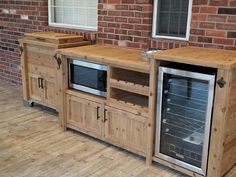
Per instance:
(39,82)
(98,117)
(105,117)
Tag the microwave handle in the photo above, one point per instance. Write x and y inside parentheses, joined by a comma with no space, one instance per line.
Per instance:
(101,78)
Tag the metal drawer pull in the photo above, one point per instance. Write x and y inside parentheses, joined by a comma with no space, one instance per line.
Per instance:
(39,82)
(98,117)
(105,119)
(41,79)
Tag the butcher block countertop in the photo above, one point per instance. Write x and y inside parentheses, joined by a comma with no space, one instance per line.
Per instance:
(215,58)
(110,55)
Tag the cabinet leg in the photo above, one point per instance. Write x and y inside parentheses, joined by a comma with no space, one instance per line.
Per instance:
(29,103)
(148,161)
(64,128)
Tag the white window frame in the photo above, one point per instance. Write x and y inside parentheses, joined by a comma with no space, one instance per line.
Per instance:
(154,23)
(64,25)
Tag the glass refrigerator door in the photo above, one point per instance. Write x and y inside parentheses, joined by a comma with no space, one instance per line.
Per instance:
(184,117)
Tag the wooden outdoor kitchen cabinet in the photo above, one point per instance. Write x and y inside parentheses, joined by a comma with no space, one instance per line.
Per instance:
(121,117)
(222,138)
(40,65)
(127,117)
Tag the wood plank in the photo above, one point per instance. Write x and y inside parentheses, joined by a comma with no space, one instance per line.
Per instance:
(221,102)
(53,37)
(136,109)
(24,71)
(152,110)
(128,86)
(106,54)
(216,58)
(62,81)
(229,156)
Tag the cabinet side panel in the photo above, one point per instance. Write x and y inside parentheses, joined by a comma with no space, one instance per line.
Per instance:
(221,101)
(152,110)
(62,85)
(24,72)
(229,154)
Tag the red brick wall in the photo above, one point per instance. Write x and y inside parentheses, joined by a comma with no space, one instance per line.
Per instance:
(129,23)
(120,22)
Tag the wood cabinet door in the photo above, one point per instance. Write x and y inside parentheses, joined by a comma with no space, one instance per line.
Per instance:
(35,91)
(49,89)
(84,114)
(126,129)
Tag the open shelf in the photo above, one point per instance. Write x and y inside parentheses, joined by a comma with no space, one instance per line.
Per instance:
(128,86)
(128,76)
(129,98)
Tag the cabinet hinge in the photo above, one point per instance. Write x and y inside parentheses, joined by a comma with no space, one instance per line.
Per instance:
(58,60)
(221,82)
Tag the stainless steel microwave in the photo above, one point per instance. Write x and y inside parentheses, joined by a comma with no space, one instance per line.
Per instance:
(88,77)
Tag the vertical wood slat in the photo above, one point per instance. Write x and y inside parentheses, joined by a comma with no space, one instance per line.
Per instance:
(229,156)
(62,87)
(24,72)
(152,107)
(219,117)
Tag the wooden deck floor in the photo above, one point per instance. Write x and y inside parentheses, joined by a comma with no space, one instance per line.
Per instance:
(33,145)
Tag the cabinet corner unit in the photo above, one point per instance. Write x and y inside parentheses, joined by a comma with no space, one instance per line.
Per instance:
(195,112)
(40,65)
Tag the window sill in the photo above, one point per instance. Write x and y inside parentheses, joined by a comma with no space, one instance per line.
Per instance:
(184,39)
(73,27)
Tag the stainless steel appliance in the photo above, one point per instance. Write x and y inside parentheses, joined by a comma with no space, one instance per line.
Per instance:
(184,109)
(88,77)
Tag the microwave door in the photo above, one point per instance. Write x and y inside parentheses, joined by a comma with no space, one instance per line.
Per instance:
(88,79)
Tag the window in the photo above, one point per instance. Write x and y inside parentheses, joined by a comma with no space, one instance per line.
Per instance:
(171,19)
(80,14)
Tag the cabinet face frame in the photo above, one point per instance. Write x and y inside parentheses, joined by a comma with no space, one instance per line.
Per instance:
(211,84)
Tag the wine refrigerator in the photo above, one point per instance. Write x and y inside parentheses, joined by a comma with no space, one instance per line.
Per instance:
(183,119)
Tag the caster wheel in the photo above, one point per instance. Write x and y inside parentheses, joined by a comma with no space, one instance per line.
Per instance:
(29,103)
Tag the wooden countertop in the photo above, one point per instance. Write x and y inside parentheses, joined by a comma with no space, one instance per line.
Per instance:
(216,58)
(111,55)
(53,45)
